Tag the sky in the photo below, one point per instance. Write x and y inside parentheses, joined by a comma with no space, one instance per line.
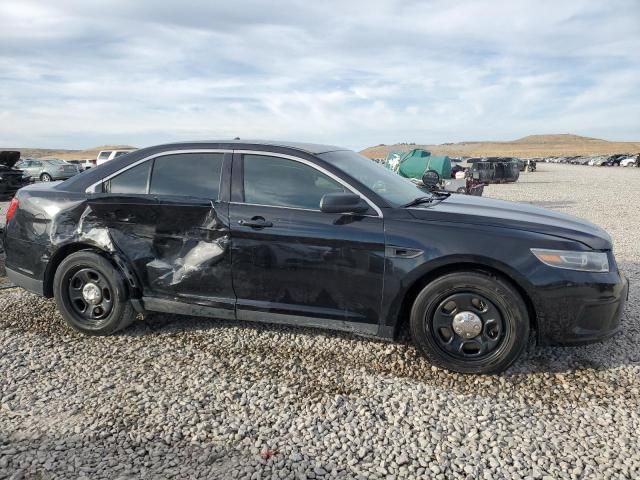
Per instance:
(76,74)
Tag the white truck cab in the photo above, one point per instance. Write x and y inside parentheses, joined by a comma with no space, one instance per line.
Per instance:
(106,155)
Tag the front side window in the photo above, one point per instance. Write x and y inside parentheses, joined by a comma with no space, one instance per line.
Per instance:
(187,174)
(392,187)
(132,181)
(281,182)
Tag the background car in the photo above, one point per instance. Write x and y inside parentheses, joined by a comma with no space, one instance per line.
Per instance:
(11,178)
(83,164)
(106,155)
(629,162)
(47,170)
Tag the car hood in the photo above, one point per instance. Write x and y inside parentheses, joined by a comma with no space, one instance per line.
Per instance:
(9,158)
(521,216)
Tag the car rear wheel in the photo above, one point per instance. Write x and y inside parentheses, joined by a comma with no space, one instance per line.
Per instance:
(91,294)
(45,177)
(470,322)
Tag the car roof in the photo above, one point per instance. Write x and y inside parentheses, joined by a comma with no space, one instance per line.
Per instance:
(313,148)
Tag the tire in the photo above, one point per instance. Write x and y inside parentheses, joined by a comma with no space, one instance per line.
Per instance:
(113,313)
(504,325)
(45,177)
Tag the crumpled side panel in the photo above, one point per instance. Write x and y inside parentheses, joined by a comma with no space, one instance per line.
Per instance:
(174,249)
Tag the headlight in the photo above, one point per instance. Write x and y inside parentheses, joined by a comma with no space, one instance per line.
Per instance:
(582,261)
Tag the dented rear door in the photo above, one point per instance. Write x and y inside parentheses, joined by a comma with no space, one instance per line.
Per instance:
(176,234)
(191,259)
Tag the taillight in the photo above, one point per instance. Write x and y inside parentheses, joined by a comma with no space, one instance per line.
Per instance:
(13,207)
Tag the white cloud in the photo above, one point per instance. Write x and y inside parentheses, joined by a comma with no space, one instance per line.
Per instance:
(75,73)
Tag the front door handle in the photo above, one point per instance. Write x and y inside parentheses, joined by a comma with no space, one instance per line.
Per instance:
(255,222)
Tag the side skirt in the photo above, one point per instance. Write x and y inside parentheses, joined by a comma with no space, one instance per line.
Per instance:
(225,312)
(365,329)
(154,304)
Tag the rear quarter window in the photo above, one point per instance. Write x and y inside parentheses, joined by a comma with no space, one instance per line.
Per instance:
(131,181)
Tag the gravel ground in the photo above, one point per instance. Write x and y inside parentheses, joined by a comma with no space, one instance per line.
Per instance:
(192,398)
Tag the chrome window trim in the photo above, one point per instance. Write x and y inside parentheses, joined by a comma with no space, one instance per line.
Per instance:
(93,188)
(312,165)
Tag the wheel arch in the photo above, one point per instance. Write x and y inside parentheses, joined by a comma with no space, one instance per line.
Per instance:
(117,260)
(430,274)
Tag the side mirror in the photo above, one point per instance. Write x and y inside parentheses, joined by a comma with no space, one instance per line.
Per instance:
(431,178)
(343,203)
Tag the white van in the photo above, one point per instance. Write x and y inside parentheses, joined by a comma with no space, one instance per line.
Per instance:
(106,155)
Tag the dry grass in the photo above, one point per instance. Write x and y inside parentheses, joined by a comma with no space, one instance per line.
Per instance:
(531,146)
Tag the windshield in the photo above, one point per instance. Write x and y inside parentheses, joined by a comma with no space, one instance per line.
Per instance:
(396,190)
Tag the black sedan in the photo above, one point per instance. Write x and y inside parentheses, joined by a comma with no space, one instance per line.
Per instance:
(311,235)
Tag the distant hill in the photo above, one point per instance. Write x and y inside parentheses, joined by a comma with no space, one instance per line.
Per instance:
(529,146)
(90,153)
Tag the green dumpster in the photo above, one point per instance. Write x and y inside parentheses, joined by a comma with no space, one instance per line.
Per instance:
(414,163)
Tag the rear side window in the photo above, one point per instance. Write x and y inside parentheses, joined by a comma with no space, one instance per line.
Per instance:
(120,153)
(281,182)
(188,175)
(104,155)
(133,180)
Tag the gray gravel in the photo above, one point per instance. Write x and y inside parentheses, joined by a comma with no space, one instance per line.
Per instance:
(192,398)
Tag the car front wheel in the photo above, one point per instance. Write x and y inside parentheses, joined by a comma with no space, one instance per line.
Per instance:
(91,294)
(470,322)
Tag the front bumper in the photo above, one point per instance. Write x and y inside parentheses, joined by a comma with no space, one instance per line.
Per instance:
(584,312)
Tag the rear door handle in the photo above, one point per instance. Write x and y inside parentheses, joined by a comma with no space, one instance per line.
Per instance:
(255,222)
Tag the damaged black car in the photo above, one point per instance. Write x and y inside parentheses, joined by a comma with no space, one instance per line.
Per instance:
(11,179)
(311,235)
